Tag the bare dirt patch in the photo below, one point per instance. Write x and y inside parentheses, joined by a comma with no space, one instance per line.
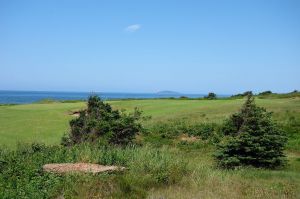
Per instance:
(75,113)
(79,167)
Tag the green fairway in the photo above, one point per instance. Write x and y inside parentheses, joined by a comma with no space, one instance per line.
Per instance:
(48,122)
(35,122)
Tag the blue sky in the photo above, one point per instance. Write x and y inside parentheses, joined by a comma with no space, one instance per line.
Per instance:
(187,46)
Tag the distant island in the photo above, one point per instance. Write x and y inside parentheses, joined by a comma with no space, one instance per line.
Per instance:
(167,93)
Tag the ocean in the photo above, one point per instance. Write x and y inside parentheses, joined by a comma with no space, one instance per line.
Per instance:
(25,97)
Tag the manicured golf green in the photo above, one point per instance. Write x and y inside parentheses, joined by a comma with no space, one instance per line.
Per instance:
(48,122)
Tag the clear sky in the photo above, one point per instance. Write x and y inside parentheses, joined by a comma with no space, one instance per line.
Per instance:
(187,46)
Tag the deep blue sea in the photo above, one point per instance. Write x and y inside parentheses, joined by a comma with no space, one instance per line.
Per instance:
(25,97)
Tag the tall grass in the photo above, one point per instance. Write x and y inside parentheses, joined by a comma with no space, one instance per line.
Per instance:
(146,167)
(153,172)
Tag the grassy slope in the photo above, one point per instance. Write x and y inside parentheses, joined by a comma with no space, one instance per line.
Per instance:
(34,122)
(47,122)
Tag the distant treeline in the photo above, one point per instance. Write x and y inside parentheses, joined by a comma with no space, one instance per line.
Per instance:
(262,95)
(210,96)
(269,94)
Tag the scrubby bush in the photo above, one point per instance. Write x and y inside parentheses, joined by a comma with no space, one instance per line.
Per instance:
(265,93)
(99,120)
(163,133)
(211,96)
(183,97)
(252,139)
(241,95)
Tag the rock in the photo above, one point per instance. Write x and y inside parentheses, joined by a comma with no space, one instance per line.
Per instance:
(79,167)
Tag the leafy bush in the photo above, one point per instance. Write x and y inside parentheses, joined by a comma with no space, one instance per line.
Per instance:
(252,139)
(99,120)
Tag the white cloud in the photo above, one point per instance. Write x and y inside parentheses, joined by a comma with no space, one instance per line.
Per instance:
(133,28)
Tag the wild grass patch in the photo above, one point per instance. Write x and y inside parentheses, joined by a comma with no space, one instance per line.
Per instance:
(146,167)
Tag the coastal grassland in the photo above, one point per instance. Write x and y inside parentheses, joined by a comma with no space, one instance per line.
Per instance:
(34,122)
(162,165)
(206,110)
(151,172)
(47,122)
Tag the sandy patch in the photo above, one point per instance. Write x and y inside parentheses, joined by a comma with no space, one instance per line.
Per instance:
(75,113)
(79,167)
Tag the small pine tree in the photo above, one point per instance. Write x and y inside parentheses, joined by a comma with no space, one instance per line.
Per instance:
(99,120)
(252,138)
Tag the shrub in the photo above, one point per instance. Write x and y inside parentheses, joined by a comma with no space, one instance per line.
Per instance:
(183,97)
(252,139)
(241,95)
(265,93)
(99,120)
(211,96)
(162,133)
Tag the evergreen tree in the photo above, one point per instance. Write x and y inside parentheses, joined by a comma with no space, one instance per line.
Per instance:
(252,138)
(211,96)
(100,121)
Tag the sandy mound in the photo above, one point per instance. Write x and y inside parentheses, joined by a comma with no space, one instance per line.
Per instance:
(79,167)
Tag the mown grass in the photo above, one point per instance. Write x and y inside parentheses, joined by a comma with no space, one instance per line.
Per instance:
(48,122)
(35,122)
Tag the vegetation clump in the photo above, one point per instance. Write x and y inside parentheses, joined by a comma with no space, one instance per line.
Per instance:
(211,96)
(99,120)
(22,175)
(252,139)
(241,95)
(265,93)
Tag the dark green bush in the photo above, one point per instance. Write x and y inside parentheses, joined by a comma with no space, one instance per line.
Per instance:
(211,96)
(252,139)
(99,120)
(183,97)
(241,95)
(265,93)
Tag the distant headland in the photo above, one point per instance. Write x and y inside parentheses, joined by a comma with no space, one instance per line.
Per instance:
(168,93)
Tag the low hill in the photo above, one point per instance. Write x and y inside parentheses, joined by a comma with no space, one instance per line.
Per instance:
(168,93)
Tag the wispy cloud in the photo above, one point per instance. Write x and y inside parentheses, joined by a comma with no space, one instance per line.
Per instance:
(133,28)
